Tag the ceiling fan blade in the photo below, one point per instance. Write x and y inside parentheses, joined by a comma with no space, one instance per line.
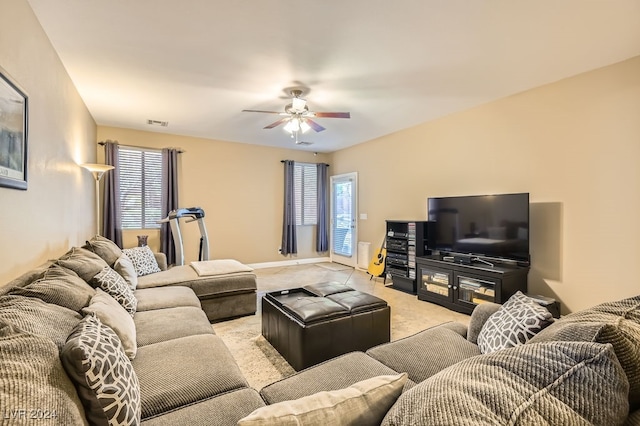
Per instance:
(332,114)
(258,110)
(276,123)
(315,126)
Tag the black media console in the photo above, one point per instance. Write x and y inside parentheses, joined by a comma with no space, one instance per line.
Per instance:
(461,287)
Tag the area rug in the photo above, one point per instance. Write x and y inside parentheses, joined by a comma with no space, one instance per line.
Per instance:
(259,362)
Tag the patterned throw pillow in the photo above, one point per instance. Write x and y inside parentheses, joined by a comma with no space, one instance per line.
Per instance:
(107,384)
(517,321)
(143,260)
(114,285)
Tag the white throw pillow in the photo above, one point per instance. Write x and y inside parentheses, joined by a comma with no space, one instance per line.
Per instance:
(363,403)
(124,266)
(111,313)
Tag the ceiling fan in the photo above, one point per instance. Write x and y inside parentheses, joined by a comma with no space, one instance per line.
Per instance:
(297,117)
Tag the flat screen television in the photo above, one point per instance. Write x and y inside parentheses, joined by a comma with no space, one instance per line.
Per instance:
(486,226)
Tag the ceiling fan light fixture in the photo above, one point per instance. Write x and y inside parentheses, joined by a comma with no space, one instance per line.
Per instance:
(304,127)
(298,104)
(292,126)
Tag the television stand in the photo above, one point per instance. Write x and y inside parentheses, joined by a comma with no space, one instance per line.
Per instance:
(461,287)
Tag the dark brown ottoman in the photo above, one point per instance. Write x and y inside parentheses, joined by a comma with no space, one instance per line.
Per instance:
(313,324)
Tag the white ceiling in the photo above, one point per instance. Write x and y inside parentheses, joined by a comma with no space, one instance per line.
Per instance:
(393,64)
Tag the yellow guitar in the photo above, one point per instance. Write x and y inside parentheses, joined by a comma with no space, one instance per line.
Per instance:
(376,266)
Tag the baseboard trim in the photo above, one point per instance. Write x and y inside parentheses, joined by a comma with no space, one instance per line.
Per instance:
(290,262)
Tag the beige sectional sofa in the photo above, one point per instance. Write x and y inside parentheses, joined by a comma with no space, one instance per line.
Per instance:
(185,374)
(581,369)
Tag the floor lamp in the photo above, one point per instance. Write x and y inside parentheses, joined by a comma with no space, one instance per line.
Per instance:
(98,170)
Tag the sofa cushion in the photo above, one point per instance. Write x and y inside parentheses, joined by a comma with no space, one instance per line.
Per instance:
(113,284)
(204,287)
(143,260)
(107,384)
(32,378)
(112,314)
(37,317)
(363,403)
(83,262)
(105,248)
(59,286)
(183,371)
(615,322)
(221,410)
(528,384)
(172,323)
(479,317)
(27,278)
(337,373)
(517,321)
(124,266)
(165,297)
(425,353)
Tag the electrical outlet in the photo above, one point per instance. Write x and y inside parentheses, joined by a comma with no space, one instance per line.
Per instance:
(280,250)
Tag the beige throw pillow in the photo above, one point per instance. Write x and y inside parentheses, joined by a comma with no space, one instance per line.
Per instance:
(111,313)
(125,268)
(363,403)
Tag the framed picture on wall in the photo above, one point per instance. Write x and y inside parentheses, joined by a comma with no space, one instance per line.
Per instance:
(13,133)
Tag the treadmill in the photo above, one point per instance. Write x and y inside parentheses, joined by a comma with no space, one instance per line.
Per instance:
(191,214)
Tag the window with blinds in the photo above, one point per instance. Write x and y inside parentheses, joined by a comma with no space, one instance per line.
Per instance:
(140,187)
(305,184)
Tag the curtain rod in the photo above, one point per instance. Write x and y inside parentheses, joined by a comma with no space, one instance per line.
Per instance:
(180,150)
(282,161)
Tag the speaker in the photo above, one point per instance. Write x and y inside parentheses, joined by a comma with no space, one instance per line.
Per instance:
(429,237)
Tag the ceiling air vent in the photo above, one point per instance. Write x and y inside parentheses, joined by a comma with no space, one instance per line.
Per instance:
(157,123)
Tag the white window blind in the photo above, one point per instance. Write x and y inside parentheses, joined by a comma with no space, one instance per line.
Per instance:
(140,187)
(305,183)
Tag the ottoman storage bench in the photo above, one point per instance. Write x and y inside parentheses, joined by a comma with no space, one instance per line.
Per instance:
(313,324)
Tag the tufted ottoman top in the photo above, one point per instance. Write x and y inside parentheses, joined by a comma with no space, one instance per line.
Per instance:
(357,301)
(327,288)
(311,309)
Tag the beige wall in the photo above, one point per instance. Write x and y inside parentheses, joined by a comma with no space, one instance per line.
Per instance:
(240,188)
(57,210)
(574,145)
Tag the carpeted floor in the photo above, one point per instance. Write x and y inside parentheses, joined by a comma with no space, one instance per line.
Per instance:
(260,362)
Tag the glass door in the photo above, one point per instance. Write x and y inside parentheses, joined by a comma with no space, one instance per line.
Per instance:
(475,290)
(344,219)
(434,282)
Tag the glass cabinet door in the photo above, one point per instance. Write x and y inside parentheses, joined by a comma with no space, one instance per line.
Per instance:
(475,290)
(435,282)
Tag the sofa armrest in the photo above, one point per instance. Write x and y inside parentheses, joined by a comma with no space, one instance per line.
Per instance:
(478,317)
(161,258)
